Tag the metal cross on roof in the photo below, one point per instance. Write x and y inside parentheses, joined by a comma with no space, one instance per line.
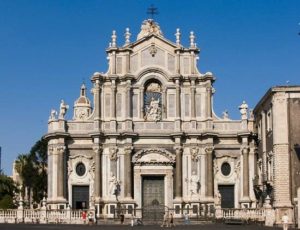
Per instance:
(152,11)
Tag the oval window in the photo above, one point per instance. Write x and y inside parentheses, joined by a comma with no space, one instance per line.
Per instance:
(226,169)
(80,169)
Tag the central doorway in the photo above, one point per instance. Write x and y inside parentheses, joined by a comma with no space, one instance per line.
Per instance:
(227,196)
(80,195)
(153,198)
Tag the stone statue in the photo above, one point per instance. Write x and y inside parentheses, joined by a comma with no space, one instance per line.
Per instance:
(218,198)
(53,115)
(225,115)
(153,111)
(63,109)
(243,110)
(114,185)
(194,184)
(148,27)
(194,153)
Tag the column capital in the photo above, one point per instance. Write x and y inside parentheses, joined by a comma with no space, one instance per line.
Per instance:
(209,149)
(178,149)
(128,149)
(97,149)
(245,149)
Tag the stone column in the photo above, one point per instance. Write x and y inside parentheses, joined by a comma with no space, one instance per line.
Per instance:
(98,175)
(178,111)
(128,172)
(178,188)
(113,99)
(60,171)
(209,172)
(97,100)
(208,101)
(245,152)
(128,99)
(193,105)
(142,102)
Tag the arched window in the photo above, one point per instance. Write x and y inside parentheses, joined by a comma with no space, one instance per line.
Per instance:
(152,101)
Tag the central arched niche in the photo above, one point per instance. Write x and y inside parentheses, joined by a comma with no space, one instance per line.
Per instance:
(153,100)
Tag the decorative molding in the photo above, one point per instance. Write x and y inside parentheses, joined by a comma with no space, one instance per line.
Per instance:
(136,159)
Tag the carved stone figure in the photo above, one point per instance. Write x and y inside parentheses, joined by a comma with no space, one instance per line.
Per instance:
(218,198)
(153,111)
(194,184)
(53,115)
(194,153)
(243,110)
(148,27)
(225,115)
(63,109)
(113,184)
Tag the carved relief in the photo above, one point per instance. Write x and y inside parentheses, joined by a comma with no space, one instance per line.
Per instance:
(194,153)
(167,157)
(113,154)
(152,101)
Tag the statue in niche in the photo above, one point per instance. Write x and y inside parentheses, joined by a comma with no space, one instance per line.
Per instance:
(194,183)
(153,111)
(152,101)
(114,185)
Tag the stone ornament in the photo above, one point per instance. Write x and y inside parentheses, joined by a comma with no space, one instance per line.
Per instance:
(152,50)
(192,39)
(127,36)
(113,155)
(113,39)
(137,158)
(177,35)
(194,153)
(178,150)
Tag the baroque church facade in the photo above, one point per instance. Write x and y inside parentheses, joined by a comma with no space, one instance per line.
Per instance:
(150,136)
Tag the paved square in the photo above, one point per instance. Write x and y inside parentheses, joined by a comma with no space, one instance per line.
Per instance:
(127,227)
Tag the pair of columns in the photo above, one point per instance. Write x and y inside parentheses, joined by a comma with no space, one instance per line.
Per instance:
(209,180)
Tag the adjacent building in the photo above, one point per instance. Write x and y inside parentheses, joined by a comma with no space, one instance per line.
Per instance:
(278,137)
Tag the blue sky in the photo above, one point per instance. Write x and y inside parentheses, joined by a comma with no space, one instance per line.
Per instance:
(48,48)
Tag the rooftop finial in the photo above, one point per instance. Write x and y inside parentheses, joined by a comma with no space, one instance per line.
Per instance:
(177,36)
(152,11)
(127,36)
(114,39)
(192,40)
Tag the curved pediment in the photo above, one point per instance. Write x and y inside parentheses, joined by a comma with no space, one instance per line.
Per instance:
(153,157)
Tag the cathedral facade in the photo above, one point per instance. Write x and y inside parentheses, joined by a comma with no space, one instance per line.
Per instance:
(150,136)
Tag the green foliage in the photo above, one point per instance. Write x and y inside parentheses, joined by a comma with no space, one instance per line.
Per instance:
(32,168)
(7,202)
(7,191)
